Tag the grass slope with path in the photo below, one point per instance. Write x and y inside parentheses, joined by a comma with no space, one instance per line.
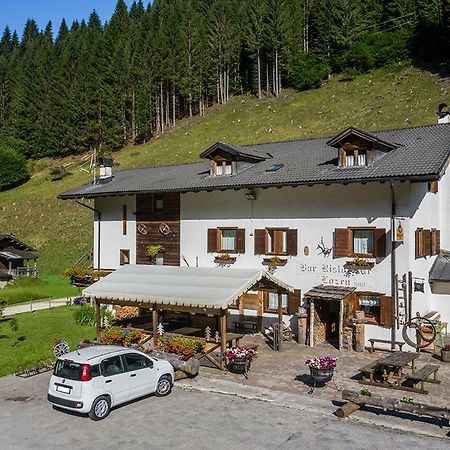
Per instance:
(387,98)
(35,336)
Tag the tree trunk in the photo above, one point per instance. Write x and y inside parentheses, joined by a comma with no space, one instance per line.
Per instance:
(161,117)
(133,117)
(267,77)
(173,109)
(190,105)
(259,75)
(167,109)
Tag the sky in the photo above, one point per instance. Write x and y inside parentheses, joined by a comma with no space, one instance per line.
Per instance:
(15,13)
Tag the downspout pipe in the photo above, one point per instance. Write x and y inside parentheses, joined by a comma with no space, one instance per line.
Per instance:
(99,215)
(393,270)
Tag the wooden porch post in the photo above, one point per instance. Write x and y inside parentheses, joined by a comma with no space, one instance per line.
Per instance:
(280,320)
(311,322)
(98,317)
(155,325)
(341,324)
(223,333)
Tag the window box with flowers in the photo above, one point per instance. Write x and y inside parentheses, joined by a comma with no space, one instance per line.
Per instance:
(359,263)
(224,258)
(274,261)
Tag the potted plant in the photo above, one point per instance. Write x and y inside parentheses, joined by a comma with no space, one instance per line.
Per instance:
(238,359)
(153,250)
(445,353)
(321,369)
(224,258)
(360,263)
(274,261)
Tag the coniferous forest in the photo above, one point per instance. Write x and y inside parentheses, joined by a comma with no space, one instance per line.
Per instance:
(86,85)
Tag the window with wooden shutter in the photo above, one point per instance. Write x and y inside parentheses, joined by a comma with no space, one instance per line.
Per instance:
(226,240)
(124,220)
(240,240)
(435,241)
(342,243)
(260,242)
(271,302)
(379,236)
(420,249)
(292,242)
(386,311)
(276,241)
(212,240)
(294,301)
(427,242)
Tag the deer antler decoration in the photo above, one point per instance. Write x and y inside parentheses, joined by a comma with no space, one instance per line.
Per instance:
(324,250)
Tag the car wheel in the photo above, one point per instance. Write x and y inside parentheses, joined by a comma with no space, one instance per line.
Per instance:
(164,386)
(100,408)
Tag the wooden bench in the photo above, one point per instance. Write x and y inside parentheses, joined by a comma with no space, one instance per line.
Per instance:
(370,370)
(383,341)
(245,325)
(423,374)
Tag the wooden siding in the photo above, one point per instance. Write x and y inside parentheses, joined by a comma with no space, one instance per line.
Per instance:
(152,219)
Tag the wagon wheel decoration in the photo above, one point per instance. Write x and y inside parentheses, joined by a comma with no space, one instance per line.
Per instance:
(61,348)
(142,229)
(423,328)
(164,229)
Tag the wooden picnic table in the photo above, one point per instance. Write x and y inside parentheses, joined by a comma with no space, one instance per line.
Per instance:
(212,346)
(391,368)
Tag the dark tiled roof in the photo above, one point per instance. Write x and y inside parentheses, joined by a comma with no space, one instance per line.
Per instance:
(421,154)
(440,271)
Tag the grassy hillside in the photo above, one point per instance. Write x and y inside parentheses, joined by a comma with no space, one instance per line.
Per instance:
(388,98)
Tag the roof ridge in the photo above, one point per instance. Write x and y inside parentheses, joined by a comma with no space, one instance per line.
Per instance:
(159,167)
(333,135)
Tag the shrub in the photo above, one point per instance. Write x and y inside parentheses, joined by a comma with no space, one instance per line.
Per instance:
(3,305)
(85,315)
(309,72)
(13,169)
(58,173)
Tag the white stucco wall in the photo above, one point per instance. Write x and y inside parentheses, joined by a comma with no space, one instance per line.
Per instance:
(111,236)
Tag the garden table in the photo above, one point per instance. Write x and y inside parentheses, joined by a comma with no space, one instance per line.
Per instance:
(186,331)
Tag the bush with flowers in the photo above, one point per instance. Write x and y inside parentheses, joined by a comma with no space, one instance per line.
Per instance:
(186,347)
(324,362)
(121,336)
(239,352)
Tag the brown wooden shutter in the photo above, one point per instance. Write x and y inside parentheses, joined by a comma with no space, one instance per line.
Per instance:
(240,240)
(124,219)
(212,240)
(386,311)
(342,241)
(260,242)
(351,304)
(427,242)
(433,186)
(419,243)
(379,237)
(292,243)
(294,301)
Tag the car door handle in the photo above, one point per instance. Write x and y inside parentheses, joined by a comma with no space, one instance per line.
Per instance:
(108,381)
(133,375)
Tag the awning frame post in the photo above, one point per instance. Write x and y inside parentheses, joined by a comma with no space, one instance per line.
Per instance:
(223,333)
(98,318)
(280,321)
(155,325)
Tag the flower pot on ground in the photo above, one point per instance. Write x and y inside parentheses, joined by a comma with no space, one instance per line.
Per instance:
(321,368)
(154,250)
(445,354)
(238,359)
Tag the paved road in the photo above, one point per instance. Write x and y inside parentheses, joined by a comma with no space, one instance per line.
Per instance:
(184,420)
(34,306)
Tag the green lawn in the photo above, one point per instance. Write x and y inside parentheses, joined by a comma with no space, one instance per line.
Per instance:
(35,335)
(47,286)
(387,98)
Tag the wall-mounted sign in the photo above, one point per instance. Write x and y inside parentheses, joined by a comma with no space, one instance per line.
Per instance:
(164,229)
(399,233)
(142,229)
(306,250)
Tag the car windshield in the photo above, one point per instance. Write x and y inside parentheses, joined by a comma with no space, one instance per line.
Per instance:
(67,369)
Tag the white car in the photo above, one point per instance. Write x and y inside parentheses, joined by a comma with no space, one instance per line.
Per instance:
(94,379)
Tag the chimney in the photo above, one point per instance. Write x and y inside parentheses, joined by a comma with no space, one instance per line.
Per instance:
(443,113)
(106,164)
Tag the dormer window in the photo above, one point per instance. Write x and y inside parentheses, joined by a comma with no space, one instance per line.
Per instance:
(352,156)
(222,167)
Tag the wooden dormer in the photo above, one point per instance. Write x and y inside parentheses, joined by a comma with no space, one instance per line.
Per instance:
(357,148)
(225,158)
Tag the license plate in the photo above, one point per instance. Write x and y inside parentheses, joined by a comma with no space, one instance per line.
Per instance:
(63,389)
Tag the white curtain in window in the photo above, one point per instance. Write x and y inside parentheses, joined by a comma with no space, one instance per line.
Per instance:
(284,249)
(228,169)
(273,300)
(270,241)
(228,241)
(349,160)
(361,159)
(363,241)
(219,169)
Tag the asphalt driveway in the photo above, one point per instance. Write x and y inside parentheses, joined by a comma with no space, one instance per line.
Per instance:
(185,420)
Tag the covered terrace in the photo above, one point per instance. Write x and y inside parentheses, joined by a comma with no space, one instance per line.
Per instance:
(196,290)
